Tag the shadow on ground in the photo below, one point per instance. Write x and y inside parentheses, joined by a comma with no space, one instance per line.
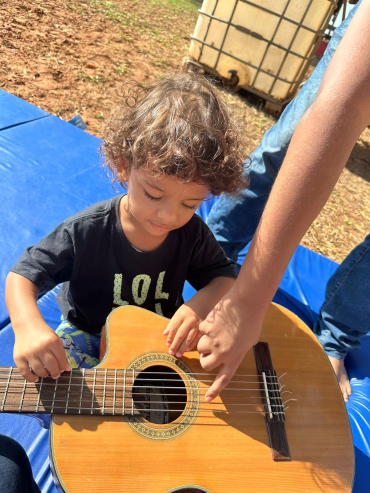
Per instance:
(359,161)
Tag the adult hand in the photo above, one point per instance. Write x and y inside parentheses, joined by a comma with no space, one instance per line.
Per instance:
(229,331)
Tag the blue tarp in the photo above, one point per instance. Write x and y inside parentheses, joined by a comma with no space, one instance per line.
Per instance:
(15,111)
(51,170)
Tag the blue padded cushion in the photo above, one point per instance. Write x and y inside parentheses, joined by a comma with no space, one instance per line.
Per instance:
(50,171)
(15,111)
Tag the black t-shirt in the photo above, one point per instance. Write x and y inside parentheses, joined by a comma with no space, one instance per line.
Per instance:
(100,270)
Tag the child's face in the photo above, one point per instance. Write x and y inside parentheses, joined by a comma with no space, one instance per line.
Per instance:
(159,205)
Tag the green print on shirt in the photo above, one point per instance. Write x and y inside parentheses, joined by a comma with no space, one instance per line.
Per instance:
(140,288)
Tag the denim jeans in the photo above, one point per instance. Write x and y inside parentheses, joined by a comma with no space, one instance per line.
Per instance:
(345,315)
(233,220)
(15,468)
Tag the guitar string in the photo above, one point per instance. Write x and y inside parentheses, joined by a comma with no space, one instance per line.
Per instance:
(30,392)
(128,386)
(118,400)
(274,377)
(115,380)
(44,405)
(20,379)
(138,412)
(16,372)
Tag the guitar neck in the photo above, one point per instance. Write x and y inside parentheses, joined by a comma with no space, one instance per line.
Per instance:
(87,391)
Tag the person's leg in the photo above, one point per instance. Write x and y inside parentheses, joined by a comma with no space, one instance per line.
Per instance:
(82,351)
(82,348)
(234,220)
(15,468)
(345,314)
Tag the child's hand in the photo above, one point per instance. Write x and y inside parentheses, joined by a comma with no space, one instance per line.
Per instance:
(38,347)
(182,331)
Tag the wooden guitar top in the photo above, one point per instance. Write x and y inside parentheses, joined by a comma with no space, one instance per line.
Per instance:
(209,448)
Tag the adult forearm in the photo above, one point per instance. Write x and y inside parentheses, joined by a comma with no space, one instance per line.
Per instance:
(205,299)
(316,156)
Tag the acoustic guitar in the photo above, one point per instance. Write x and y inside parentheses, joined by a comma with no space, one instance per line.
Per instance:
(139,422)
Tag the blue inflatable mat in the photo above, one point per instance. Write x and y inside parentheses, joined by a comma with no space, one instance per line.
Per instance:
(52,170)
(15,111)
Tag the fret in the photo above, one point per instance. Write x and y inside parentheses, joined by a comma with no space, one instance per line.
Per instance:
(124,391)
(39,396)
(22,397)
(68,391)
(93,392)
(105,384)
(132,386)
(55,391)
(114,391)
(82,389)
(6,390)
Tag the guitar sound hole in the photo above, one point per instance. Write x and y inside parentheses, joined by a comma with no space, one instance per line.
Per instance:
(159,394)
(189,490)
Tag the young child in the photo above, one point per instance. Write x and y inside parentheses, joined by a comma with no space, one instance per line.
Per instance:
(171,145)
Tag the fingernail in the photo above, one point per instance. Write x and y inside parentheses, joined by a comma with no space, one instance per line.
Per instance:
(187,349)
(208,399)
(165,332)
(171,352)
(54,378)
(178,354)
(168,344)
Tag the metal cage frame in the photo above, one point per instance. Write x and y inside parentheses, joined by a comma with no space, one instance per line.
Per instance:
(273,104)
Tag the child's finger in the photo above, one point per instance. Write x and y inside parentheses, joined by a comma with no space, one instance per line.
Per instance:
(181,336)
(187,341)
(172,328)
(60,356)
(51,364)
(25,370)
(194,343)
(37,367)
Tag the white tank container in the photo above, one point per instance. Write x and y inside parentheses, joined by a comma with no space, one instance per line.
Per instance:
(269,43)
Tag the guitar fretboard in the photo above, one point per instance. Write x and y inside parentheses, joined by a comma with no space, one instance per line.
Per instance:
(85,391)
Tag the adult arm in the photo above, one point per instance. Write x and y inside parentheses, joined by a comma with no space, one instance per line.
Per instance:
(317,154)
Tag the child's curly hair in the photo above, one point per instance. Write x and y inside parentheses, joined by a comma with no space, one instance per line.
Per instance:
(178,127)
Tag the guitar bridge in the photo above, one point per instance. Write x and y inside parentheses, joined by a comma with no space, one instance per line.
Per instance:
(272,402)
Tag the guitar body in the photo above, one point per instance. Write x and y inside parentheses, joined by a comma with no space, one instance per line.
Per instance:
(201,450)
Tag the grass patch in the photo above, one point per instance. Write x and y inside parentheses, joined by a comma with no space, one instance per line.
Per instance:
(175,5)
(121,70)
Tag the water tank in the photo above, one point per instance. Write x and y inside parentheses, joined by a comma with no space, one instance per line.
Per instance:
(263,46)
